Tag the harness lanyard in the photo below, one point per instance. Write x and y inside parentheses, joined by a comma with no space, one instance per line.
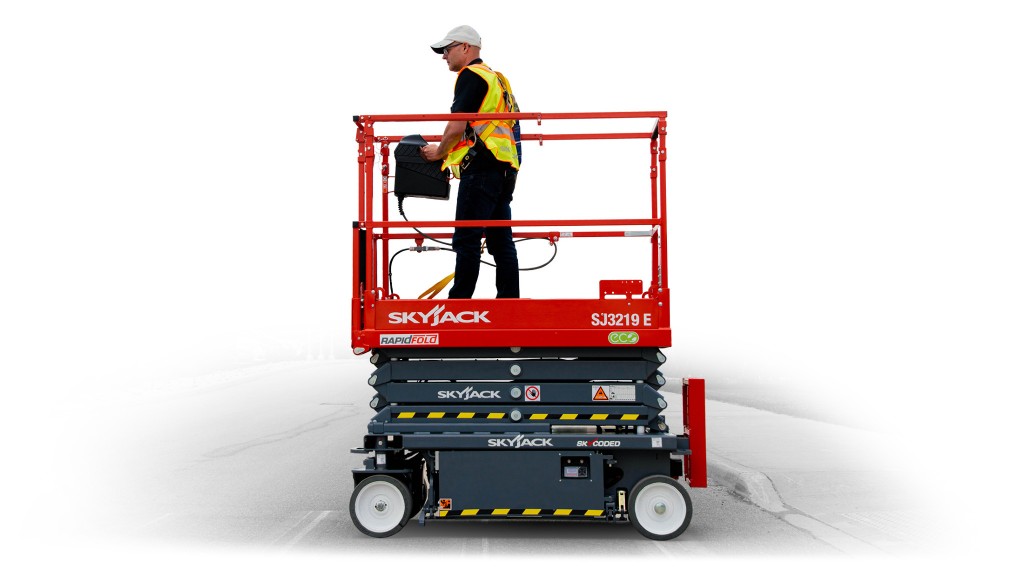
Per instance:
(436,288)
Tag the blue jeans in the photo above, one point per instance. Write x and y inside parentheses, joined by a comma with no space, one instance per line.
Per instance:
(485,195)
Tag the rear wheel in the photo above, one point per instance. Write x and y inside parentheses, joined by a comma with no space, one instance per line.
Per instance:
(380,506)
(659,508)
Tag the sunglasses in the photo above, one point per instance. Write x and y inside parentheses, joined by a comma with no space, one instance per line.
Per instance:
(450,46)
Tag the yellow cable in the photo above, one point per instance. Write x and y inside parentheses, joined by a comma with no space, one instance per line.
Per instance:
(433,290)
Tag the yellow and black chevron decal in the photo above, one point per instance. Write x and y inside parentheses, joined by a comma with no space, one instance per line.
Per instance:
(521,512)
(528,417)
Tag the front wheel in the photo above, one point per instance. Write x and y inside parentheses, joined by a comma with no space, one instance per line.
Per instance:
(659,508)
(380,506)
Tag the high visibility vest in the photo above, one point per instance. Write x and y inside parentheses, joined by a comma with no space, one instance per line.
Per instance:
(495,134)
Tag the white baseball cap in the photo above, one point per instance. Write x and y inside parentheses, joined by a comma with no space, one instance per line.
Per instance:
(458,34)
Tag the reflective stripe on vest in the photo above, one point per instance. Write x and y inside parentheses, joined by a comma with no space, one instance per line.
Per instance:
(495,134)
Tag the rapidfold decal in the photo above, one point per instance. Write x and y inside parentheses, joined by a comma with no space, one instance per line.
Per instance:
(408,339)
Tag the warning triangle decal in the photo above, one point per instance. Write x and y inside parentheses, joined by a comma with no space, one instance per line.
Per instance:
(600,395)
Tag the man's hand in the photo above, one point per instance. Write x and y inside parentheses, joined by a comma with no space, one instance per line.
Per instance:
(452,134)
(431,153)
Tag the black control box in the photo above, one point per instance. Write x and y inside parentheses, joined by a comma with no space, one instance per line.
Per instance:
(416,177)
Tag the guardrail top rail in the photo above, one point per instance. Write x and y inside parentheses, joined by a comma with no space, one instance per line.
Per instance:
(626,312)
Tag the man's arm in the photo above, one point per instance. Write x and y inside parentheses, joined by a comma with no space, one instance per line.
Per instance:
(470,91)
(452,134)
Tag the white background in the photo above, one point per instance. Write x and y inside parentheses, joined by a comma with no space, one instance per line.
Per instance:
(178,185)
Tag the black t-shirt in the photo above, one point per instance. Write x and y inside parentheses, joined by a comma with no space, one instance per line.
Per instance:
(470,91)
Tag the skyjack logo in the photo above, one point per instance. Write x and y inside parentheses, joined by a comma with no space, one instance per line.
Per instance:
(519,441)
(468,393)
(437,315)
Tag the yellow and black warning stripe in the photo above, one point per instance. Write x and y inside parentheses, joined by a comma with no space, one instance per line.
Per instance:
(528,417)
(521,512)
(614,417)
(452,415)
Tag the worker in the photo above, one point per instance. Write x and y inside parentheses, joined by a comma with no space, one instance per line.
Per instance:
(484,156)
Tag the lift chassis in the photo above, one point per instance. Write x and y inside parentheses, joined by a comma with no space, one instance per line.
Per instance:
(521,408)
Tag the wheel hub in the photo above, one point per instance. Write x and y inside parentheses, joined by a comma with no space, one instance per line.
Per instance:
(380,505)
(660,508)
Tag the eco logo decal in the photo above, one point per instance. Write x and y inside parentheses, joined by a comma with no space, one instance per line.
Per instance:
(623,337)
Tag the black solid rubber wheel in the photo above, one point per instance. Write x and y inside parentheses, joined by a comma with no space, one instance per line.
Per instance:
(380,505)
(659,508)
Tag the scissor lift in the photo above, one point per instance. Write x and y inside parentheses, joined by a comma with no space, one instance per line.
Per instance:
(520,408)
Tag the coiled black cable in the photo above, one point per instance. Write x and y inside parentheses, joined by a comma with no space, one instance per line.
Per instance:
(401,210)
